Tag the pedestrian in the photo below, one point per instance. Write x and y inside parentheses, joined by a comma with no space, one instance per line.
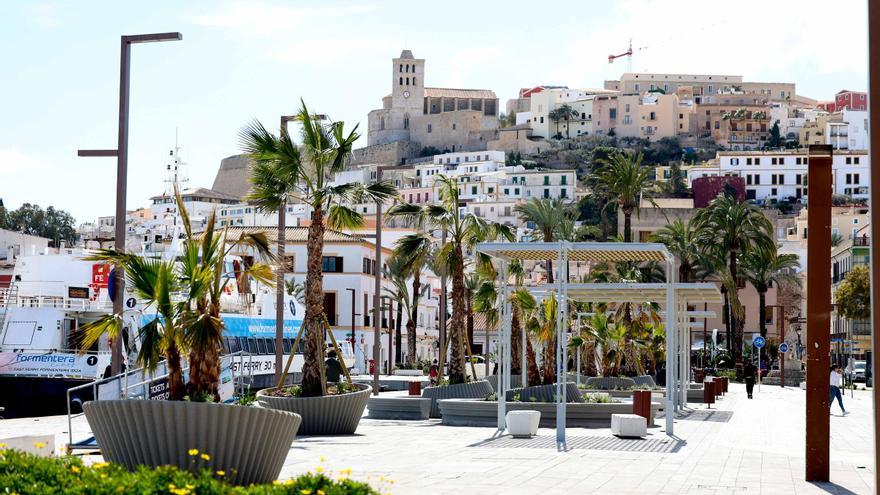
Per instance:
(334,369)
(749,373)
(836,377)
(434,372)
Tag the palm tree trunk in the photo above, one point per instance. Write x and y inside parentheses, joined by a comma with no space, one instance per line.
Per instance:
(176,389)
(627,225)
(456,330)
(603,218)
(470,317)
(398,359)
(533,374)
(548,237)
(515,345)
(413,318)
(550,362)
(313,366)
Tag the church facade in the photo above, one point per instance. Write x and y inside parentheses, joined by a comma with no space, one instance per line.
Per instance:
(447,119)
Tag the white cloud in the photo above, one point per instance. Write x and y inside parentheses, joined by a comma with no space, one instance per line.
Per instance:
(44,15)
(261,17)
(13,161)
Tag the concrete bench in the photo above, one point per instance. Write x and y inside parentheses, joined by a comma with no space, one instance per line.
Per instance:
(610,383)
(523,424)
(405,407)
(629,425)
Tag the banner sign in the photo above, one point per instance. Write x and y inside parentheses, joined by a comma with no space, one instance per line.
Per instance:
(263,364)
(78,292)
(54,364)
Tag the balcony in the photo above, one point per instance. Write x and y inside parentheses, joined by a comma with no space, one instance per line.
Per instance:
(863,241)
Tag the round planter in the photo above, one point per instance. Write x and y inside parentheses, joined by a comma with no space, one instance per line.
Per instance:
(545,393)
(327,415)
(474,390)
(248,443)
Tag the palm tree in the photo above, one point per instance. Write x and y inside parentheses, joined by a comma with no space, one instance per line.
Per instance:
(485,301)
(548,215)
(396,272)
(186,297)
(273,185)
(464,232)
(414,252)
(324,150)
(563,112)
(765,267)
(627,183)
(734,229)
(680,238)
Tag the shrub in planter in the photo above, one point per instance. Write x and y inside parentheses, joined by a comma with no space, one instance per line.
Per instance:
(29,474)
(337,413)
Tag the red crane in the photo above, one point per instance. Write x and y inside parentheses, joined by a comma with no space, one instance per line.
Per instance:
(627,53)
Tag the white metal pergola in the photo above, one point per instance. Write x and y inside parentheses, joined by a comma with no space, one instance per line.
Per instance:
(673,294)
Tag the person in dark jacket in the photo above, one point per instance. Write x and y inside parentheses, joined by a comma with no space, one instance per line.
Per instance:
(750,371)
(334,369)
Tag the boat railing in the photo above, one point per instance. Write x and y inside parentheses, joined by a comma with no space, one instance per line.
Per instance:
(120,387)
(12,299)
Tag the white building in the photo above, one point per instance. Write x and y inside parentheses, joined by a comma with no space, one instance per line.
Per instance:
(782,175)
(348,267)
(544,102)
(847,130)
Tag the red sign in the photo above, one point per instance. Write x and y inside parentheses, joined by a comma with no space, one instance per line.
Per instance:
(101,274)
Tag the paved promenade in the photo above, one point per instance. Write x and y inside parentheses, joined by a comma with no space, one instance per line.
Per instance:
(741,447)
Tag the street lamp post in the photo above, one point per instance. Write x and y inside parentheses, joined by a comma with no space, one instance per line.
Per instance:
(121,154)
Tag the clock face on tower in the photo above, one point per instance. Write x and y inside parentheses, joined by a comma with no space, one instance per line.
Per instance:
(406,94)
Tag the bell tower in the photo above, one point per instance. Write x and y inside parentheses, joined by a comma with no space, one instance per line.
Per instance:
(408,83)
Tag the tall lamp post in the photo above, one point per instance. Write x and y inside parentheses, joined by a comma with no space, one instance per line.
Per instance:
(121,154)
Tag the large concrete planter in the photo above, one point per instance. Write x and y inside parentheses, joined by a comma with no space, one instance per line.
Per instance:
(327,415)
(545,393)
(474,390)
(464,412)
(249,443)
(515,381)
(610,383)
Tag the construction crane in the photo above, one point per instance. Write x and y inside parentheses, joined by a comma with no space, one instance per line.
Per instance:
(628,54)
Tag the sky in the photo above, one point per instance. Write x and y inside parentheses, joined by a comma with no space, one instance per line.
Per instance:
(242,60)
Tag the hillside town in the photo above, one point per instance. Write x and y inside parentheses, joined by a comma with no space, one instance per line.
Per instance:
(560,250)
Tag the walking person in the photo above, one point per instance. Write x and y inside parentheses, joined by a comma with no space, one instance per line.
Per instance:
(434,372)
(749,373)
(334,368)
(836,378)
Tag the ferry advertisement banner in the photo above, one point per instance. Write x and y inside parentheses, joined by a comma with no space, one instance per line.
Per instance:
(56,364)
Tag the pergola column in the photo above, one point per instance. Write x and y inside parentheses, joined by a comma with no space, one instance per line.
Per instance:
(561,283)
(670,344)
(499,357)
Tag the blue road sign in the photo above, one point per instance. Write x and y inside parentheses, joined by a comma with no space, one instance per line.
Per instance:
(759,342)
(783,347)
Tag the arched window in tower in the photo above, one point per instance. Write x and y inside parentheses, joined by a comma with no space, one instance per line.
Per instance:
(407,67)
(382,124)
(401,81)
(407,81)
(401,68)
(414,68)
(406,121)
(414,80)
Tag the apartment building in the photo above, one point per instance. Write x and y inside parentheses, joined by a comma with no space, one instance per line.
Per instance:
(699,85)
(772,176)
(735,121)
(850,100)
(847,130)
(543,103)
(850,335)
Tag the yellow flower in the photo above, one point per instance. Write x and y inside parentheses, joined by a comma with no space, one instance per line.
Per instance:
(319,469)
(276,482)
(100,465)
(346,471)
(193,452)
(221,473)
(305,491)
(103,475)
(289,482)
(321,492)
(189,487)
(3,445)
(206,457)
(74,469)
(39,445)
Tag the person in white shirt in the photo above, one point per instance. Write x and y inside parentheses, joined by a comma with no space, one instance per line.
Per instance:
(836,378)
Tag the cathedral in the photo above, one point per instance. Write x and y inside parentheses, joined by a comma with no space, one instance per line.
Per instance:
(444,118)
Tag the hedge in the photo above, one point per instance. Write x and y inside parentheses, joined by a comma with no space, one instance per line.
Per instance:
(26,474)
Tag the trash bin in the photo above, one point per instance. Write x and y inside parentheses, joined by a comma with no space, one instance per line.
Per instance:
(415,388)
(709,393)
(718,383)
(699,376)
(725,382)
(642,405)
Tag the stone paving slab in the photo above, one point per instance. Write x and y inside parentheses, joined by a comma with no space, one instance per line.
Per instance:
(738,447)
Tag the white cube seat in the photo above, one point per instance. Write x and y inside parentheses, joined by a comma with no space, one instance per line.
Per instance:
(629,425)
(523,424)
